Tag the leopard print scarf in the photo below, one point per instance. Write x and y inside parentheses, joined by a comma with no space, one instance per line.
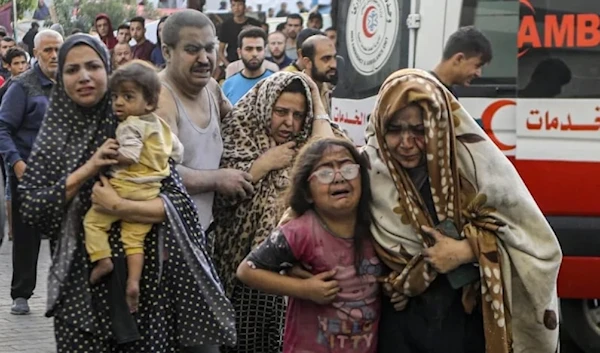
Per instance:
(241,225)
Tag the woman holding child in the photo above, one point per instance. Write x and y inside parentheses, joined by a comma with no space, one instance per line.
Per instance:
(64,178)
(472,263)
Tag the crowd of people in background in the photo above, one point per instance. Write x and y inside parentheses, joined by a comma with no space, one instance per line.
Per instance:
(191,144)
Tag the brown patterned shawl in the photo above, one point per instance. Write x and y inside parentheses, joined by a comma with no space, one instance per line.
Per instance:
(241,225)
(476,186)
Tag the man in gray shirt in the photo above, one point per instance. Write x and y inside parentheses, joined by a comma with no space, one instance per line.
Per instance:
(193,104)
(293,26)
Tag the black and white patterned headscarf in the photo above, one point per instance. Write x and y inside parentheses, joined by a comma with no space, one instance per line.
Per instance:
(182,302)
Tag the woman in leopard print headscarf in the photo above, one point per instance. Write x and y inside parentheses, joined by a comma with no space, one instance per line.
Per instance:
(261,136)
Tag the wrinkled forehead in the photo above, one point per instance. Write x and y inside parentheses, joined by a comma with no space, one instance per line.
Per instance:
(197,36)
(119,49)
(335,154)
(411,114)
(325,47)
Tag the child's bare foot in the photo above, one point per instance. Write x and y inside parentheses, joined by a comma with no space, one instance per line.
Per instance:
(132,295)
(102,268)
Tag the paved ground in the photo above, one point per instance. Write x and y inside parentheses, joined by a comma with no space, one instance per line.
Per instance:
(30,333)
(33,333)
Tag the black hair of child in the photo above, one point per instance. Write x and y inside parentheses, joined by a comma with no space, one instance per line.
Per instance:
(143,75)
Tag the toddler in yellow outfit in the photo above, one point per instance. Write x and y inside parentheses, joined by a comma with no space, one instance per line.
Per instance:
(145,145)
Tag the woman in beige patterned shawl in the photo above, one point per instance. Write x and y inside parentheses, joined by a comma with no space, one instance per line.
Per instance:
(431,162)
(261,136)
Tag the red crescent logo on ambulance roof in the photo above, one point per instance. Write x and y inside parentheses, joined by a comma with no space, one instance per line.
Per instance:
(370,21)
(488,116)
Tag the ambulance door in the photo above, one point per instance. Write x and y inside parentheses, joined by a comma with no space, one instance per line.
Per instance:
(491,99)
(373,40)
(558,145)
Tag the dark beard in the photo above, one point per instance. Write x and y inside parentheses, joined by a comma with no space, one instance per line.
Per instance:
(321,77)
(252,67)
(278,57)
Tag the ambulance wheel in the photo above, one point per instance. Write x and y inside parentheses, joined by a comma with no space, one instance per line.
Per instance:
(581,320)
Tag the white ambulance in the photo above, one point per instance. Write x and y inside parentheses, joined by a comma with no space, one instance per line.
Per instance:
(538,100)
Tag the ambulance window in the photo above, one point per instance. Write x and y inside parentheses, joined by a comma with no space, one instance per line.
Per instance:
(499,21)
(559,49)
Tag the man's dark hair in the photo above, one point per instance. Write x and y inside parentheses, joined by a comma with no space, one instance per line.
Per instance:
(251,32)
(280,27)
(8,39)
(315,15)
(295,16)
(13,53)
(76,30)
(139,19)
(304,35)
(35,25)
(182,19)
(242,1)
(123,26)
(469,41)
(330,29)
(143,75)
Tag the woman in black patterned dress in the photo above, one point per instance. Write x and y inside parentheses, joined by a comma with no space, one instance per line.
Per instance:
(182,304)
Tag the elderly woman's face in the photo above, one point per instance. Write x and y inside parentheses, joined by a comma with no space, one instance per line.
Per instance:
(84,76)
(289,112)
(405,137)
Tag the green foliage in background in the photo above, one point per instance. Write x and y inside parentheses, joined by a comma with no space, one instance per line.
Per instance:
(22,6)
(88,10)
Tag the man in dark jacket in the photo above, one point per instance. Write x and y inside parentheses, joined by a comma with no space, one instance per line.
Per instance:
(29,36)
(21,113)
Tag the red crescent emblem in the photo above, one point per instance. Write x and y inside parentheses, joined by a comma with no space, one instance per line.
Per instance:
(366,30)
(486,119)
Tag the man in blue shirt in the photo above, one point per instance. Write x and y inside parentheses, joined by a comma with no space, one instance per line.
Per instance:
(277,49)
(251,49)
(21,113)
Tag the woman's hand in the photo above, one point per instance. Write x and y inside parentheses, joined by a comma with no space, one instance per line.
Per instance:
(275,158)
(104,197)
(399,300)
(106,155)
(318,108)
(281,156)
(447,254)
